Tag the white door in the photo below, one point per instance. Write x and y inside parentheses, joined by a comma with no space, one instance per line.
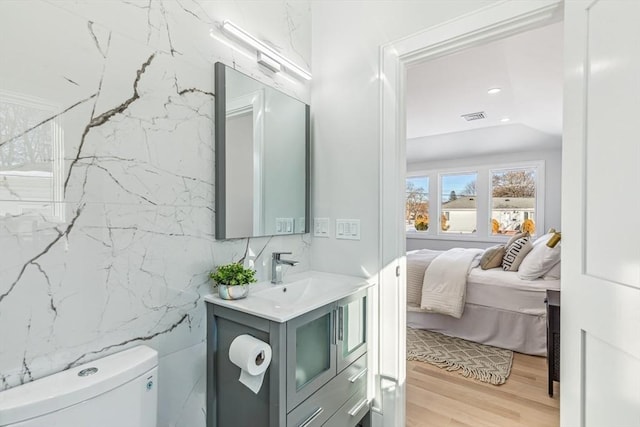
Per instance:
(600,301)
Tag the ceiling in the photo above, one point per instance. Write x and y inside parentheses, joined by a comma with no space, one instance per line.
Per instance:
(527,67)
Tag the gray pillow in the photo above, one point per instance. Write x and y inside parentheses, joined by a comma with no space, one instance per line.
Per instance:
(515,253)
(492,257)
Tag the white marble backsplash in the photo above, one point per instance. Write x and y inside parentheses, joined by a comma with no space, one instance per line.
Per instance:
(106,179)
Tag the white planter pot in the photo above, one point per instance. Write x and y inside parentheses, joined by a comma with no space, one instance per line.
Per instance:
(233,292)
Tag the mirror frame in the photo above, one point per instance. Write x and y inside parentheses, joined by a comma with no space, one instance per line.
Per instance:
(220,116)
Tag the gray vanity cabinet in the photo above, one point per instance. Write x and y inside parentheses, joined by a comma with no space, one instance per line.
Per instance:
(317,376)
(311,353)
(352,329)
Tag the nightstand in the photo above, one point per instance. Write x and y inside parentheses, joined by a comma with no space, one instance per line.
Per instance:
(553,337)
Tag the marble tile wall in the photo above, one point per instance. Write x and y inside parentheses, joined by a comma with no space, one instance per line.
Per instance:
(106,180)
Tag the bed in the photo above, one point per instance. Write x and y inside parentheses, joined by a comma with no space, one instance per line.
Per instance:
(501,309)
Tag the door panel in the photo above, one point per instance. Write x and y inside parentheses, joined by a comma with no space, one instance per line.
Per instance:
(611,141)
(611,384)
(600,336)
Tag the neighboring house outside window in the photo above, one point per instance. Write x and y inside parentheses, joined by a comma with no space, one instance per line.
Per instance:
(490,203)
(458,203)
(513,202)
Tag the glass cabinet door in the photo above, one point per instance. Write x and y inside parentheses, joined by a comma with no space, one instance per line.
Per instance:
(352,329)
(311,353)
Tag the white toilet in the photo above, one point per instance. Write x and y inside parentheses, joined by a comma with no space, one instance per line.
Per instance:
(118,390)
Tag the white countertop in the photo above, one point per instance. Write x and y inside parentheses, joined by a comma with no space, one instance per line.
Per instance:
(299,294)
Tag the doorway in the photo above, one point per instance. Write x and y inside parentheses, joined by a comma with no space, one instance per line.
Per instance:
(486,25)
(474,183)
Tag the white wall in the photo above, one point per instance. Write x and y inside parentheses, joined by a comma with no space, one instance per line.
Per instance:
(346,40)
(131,84)
(553,173)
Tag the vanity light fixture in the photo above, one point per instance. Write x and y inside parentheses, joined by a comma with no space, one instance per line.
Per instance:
(268,62)
(494,90)
(266,54)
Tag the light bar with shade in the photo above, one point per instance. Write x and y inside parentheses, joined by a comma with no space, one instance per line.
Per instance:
(264,50)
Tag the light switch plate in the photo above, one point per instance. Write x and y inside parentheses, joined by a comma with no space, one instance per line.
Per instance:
(284,225)
(321,227)
(348,229)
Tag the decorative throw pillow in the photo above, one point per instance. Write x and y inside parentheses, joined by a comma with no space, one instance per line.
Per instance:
(515,253)
(539,261)
(492,257)
(516,237)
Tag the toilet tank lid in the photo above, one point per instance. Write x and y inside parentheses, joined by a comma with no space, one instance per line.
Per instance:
(66,388)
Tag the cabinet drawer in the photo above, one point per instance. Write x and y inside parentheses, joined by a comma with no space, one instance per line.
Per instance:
(351,412)
(321,405)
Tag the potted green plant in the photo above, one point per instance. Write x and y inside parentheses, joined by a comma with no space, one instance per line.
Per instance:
(232,280)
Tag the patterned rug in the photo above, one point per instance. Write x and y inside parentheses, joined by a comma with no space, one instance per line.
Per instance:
(482,362)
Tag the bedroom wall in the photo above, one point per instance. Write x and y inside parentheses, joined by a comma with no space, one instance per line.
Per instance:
(111,105)
(553,173)
(346,40)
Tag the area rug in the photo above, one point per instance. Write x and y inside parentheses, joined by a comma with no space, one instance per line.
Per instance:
(482,362)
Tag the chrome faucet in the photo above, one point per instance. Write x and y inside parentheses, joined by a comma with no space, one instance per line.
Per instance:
(276,266)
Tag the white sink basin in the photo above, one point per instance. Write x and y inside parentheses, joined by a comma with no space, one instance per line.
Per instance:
(298,294)
(302,291)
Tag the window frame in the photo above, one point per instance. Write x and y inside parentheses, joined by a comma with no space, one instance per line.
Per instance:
(429,231)
(538,167)
(483,200)
(440,211)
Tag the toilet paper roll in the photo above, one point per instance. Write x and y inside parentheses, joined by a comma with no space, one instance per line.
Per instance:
(253,357)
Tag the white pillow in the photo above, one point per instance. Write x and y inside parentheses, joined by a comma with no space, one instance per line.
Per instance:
(543,239)
(553,274)
(539,261)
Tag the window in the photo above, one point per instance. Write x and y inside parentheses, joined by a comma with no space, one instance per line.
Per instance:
(458,203)
(513,200)
(417,204)
(481,202)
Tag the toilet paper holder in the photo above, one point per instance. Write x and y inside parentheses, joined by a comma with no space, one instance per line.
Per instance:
(260,358)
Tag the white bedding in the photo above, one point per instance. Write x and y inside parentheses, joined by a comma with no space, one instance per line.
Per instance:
(489,288)
(501,309)
(505,290)
(444,286)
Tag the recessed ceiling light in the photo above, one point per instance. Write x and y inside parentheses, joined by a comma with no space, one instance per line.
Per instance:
(504,119)
(494,90)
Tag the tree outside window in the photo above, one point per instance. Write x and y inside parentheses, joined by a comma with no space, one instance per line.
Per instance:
(417,204)
(513,201)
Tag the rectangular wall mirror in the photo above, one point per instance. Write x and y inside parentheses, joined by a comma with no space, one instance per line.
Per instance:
(262,158)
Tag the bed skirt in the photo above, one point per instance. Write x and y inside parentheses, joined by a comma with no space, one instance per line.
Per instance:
(521,332)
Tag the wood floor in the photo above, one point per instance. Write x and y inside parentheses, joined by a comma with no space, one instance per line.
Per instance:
(437,398)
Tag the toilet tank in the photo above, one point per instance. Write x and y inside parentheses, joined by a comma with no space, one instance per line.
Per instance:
(117,390)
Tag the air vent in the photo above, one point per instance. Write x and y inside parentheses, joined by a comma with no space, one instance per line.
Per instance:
(474,116)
